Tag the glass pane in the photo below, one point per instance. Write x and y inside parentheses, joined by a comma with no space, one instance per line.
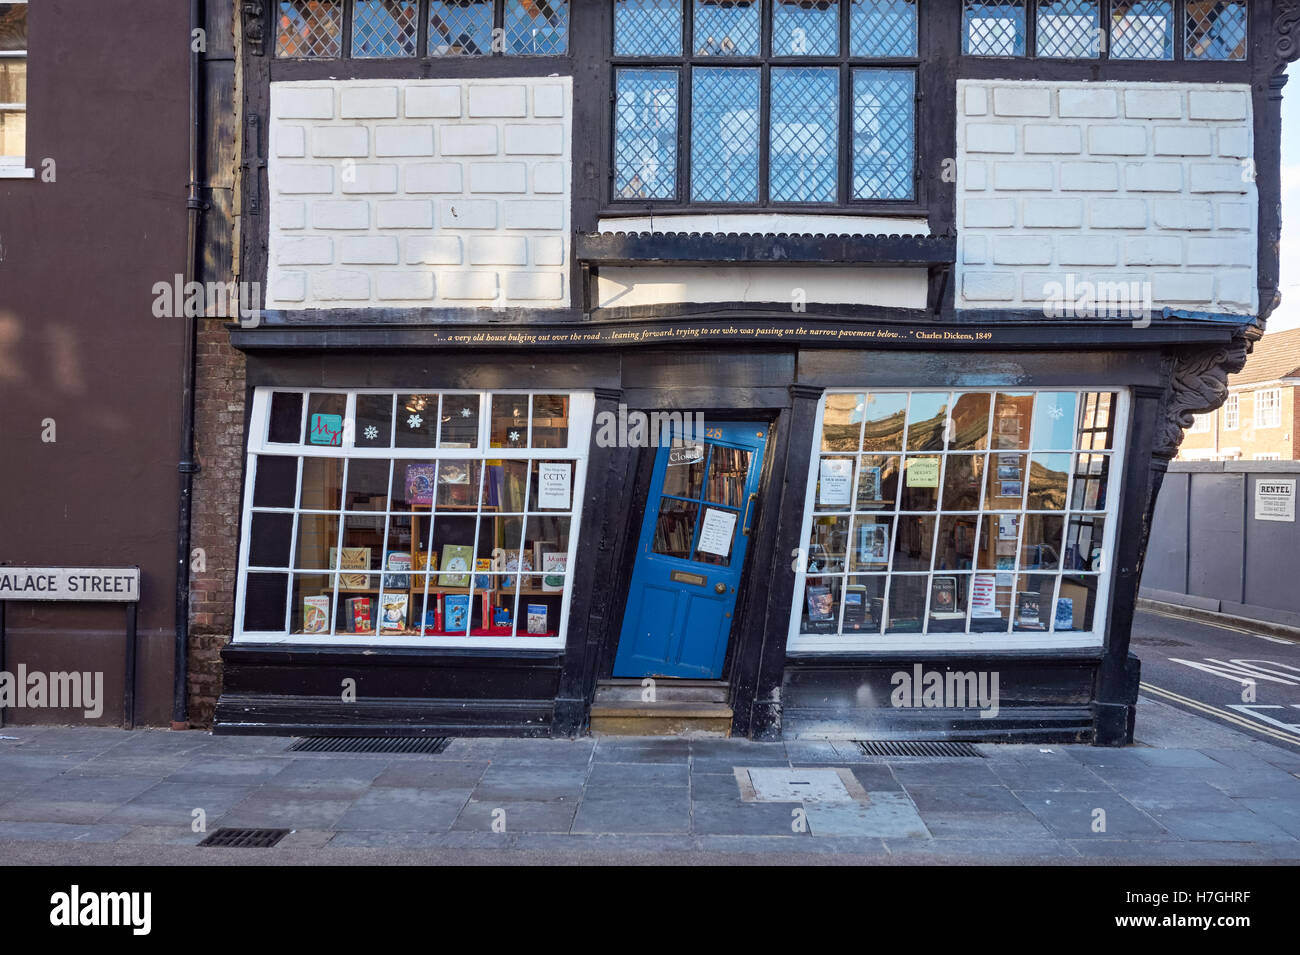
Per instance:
(675,528)
(864,603)
(821,605)
(1097,423)
(717,535)
(728,473)
(994,28)
(906,604)
(684,472)
(264,602)
(1006,486)
(805,27)
(318,538)
(384,27)
(452,543)
(1048,482)
(647,27)
(1083,543)
(417,421)
(724,134)
(1068,28)
(505,484)
(882,28)
(1033,601)
(970,423)
(920,483)
(13,29)
(460,27)
(550,421)
(458,485)
(962,476)
(996,546)
(551,487)
(877,482)
(310,28)
(949,595)
(286,417)
(414,483)
(276,481)
(956,546)
(509,428)
(547,541)
(835,483)
(325,419)
(884,414)
(374,427)
(990,602)
(1091,476)
(1216,30)
(1055,414)
(13,76)
(803,162)
(884,134)
(1040,544)
(322,484)
(1012,414)
(842,422)
(828,545)
(869,548)
(313,597)
(367,485)
(13,133)
(537,27)
(269,538)
(1076,600)
(913,543)
(726,27)
(926,416)
(459,421)
(363,544)
(645,134)
(1142,30)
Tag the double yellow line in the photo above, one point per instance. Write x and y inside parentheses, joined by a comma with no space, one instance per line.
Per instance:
(1230,716)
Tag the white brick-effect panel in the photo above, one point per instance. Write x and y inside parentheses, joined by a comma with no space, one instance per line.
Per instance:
(420,193)
(1106,183)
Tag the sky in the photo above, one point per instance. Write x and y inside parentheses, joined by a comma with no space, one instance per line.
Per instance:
(1288,313)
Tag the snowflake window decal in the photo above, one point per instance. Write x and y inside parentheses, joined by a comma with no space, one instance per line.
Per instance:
(414,421)
(371,432)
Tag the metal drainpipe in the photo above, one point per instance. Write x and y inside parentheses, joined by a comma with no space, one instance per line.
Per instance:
(187,466)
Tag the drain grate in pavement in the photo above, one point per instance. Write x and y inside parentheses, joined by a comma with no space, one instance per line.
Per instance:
(245,838)
(922,748)
(428,745)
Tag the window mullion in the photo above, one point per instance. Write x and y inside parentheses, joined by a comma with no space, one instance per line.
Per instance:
(685,126)
(764,130)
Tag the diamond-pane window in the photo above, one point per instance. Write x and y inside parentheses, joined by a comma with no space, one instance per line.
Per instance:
(647,27)
(993,28)
(726,27)
(460,27)
(805,27)
(645,134)
(537,27)
(1142,30)
(804,138)
(384,27)
(309,28)
(882,28)
(884,134)
(1216,30)
(724,134)
(1069,29)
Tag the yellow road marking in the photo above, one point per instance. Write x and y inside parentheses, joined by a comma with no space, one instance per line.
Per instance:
(1229,715)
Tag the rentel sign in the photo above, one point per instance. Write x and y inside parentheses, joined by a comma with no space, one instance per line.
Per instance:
(119,584)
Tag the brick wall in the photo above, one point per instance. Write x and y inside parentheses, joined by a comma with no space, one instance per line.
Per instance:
(1248,439)
(419,193)
(1106,183)
(219,446)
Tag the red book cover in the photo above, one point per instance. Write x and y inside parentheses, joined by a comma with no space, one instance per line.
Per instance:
(361,614)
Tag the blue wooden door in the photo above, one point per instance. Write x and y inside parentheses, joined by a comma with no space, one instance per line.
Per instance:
(698,518)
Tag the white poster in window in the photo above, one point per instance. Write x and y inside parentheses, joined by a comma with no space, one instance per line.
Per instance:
(982,596)
(1275,499)
(715,532)
(554,485)
(836,486)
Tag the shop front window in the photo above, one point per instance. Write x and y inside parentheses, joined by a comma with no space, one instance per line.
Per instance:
(411,518)
(960,518)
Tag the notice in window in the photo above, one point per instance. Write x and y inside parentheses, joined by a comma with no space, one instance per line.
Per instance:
(1275,500)
(923,472)
(716,531)
(836,486)
(554,484)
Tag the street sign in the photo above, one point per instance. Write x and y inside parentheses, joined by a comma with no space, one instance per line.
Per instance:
(100,584)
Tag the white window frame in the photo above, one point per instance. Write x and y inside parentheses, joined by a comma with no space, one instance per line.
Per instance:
(581,415)
(1268,456)
(1201,424)
(1268,414)
(15,167)
(1232,413)
(881,643)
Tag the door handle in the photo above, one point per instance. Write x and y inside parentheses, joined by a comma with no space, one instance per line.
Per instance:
(720,588)
(744,525)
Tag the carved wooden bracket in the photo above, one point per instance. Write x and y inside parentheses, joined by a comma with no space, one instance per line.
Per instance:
(1286,32)
(1198,385)
(252,16)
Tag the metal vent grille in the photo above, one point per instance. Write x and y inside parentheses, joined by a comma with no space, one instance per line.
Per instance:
(427,745)
(921,748)
(245,838)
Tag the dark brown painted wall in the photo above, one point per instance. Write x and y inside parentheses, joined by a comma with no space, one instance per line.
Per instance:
(79,343)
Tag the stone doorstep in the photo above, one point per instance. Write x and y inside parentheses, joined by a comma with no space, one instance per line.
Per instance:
(633,718)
